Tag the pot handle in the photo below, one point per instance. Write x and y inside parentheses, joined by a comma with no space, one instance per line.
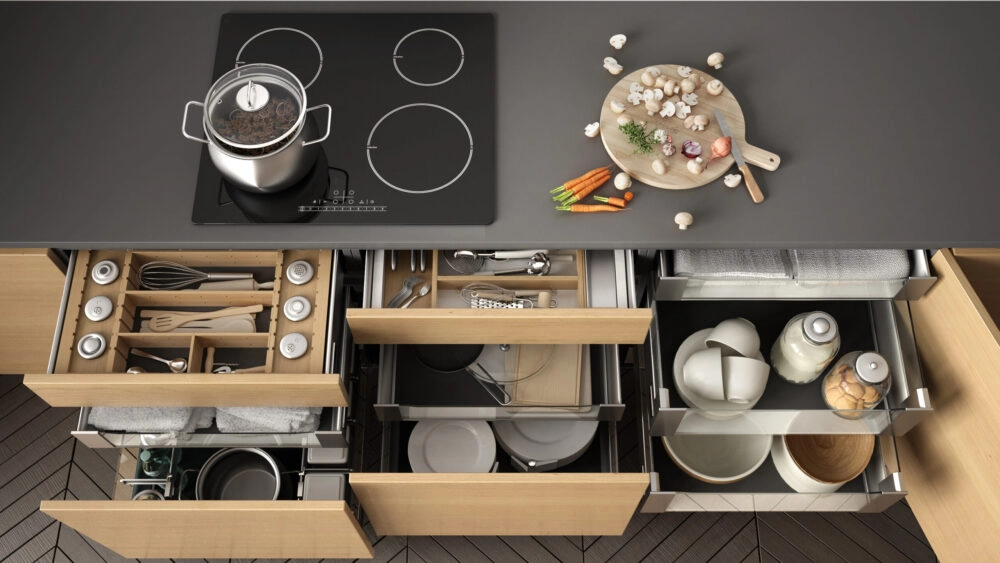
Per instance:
(329,118)
(184,123)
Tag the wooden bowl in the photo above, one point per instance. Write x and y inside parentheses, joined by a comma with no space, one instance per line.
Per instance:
(822,462)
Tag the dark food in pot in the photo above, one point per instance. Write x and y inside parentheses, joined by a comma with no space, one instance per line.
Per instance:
(258,127)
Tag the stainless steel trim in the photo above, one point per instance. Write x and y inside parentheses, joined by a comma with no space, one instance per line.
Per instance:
(184,121)
(908,357)
(61,318)
(92,439)
(372,257)
(891,491)
(329,119)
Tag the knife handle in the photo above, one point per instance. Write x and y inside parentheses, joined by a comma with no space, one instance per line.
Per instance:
(755,194)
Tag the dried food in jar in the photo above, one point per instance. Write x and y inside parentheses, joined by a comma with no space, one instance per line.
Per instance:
(258,127)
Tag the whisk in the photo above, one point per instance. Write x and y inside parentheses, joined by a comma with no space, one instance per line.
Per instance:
(164,275)
(489,296)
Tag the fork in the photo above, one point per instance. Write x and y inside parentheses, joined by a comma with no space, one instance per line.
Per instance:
(424,290)
(408,284)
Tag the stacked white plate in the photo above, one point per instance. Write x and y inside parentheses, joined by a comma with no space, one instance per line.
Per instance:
(452,446)
(544,444)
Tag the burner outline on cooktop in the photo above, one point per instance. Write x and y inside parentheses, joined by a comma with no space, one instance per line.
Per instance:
(369,147)
(239,53)
(396,56)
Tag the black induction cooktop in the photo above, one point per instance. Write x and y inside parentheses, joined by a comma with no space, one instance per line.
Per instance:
(413,129)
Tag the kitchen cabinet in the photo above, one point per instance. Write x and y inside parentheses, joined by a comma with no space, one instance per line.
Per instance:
(32,283)
(951,456)
(872,315)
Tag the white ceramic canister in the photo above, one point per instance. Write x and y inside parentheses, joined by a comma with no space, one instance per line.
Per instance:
(807,345)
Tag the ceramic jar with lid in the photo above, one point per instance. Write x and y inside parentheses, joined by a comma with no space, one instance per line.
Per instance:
(807,345)
(857,381)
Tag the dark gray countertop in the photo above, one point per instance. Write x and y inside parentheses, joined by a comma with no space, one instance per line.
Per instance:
(883,114)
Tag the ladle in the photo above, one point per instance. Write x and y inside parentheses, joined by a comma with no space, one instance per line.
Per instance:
(538,265)
(176,365)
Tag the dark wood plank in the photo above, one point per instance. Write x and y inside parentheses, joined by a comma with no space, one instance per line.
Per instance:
(461,549)
(725,529)
(104,553)
(902,514)
(94,468)
(77,547)
(529,549)
(567,549)
(412,557)
(24,414)
(891,532)
(401,557)
(495,548)
(864,537)
(805,547)
(82,487)
(21,520)
(12,400)
(35,442)
(766,557)
(428,549)
(740,546)
(666,540)
(388,547)
(831,535)
(34,548)
(9,382)
(603,548)
(18,485)
(811,544)
(60,557)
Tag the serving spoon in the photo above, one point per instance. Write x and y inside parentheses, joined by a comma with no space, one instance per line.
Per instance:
(176,365)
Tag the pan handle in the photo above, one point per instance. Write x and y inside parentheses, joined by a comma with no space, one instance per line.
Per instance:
(329,118)
(184,122)
(760,157)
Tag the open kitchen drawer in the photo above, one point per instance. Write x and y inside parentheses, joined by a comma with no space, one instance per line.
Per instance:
(786,408)
(272,380)
(951,457)
(586,497)
(588,289)
(825,280)
(310,522)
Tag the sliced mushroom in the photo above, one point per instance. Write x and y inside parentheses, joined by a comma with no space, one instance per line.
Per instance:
(732,180)
(684,71)
(653,106)
(657,94)
(715,59)
(660,136)
(635,87)
(669,109)
(714,87)
(617,106)
(696,122)
(618,40)
(612,66)
(690,99)
(592,130)
(659,166)
(624,119)
(683,110)
(670,87)
(635,98)
(655,71)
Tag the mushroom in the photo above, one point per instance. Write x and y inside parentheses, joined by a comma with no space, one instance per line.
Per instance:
(618,41)
(647,78)
(612,66)
(732,180)
(684,71)
(653,106)
(623,181)
(683,110)
(683,220)
(655,71)
(635,98)
(660,81)
(669,109)
(696,122)
(688,85)
(696,165)
(659,166)
(592,130)
(714,87)
(660,136)
(617,106)
(635,87)
(658,94)
(624,119)
(690,99)
(670,87)
(715,59)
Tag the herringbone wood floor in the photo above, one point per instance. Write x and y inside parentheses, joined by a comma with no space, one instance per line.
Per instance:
(40,460)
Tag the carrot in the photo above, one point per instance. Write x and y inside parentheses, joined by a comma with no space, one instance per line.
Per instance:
(568,186)
(616,201)
(585,208)
(583,190)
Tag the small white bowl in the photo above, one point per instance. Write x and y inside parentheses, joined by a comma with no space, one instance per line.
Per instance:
(718,459)
(821,463)
(735,337)
(745,378)
(703,374)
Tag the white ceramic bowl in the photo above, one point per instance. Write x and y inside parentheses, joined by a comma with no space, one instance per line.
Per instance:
(703,374)
(745,378)
(821,463)
(718,459)
(735,337)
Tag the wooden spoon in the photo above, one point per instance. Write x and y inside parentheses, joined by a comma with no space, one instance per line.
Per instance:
(169,321)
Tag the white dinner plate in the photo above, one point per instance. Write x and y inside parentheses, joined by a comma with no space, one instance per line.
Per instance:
(691,345)
(452,446)
(562,441)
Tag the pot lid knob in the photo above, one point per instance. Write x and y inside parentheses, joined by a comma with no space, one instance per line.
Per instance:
(252,96)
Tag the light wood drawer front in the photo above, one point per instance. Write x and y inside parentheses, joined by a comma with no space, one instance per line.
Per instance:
(951,456)
(31,291)
(500,503)
(217,529)
(188,390)
(499,326)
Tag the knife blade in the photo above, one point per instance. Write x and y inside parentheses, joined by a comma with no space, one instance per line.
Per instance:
(755,194)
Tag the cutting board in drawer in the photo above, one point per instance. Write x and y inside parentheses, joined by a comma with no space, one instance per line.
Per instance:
(217,529)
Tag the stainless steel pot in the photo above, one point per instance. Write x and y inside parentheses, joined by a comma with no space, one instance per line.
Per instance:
(257,127)
(239,474)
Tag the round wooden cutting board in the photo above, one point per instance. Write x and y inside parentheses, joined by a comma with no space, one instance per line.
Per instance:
(677,177)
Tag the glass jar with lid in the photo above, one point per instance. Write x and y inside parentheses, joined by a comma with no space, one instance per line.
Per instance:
(806,346)
(857,381)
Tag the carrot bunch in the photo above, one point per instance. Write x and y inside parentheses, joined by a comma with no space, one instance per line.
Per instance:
(572,192)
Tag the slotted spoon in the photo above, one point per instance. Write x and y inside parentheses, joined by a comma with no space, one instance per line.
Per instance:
(169,321)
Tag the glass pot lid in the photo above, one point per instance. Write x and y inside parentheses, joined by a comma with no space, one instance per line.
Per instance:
(255,106)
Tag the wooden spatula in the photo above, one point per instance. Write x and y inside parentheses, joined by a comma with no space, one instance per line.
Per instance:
(169,321)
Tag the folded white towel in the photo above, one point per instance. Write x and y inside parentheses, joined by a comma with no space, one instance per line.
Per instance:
(267,419)
(732,263)
(141,419)
(850,264)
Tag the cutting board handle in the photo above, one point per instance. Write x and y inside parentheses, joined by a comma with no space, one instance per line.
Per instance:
(760,157)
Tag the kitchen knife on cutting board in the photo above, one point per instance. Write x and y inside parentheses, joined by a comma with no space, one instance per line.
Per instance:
(755,194)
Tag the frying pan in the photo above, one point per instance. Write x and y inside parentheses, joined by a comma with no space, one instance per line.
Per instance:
(239,474)
(678,177)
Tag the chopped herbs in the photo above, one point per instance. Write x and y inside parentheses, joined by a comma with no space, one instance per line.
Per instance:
(639,137)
